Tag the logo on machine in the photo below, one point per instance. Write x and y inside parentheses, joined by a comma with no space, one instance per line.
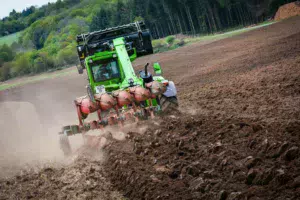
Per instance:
(100,89)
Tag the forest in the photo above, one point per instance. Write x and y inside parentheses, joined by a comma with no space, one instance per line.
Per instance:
(48,34)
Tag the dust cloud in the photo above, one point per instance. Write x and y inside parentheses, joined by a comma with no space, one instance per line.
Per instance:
(28,141)
(25,142)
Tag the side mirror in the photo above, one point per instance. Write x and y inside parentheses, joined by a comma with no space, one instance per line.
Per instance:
(157,69)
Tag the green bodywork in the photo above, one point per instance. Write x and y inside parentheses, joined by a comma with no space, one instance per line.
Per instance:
(127,77)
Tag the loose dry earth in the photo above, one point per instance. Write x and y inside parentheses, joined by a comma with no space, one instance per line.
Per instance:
(237,138)
(288,10)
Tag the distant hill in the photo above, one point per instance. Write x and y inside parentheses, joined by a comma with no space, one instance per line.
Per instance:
(48,34)
(17,21)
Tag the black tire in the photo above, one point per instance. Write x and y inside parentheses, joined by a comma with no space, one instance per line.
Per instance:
(169,104)
(150,51)
(148,47)
(65,145)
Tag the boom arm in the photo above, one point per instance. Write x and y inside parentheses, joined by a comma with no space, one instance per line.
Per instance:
(130,77)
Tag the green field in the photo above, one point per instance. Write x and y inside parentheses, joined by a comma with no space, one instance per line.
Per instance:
(229,33)
(10,38)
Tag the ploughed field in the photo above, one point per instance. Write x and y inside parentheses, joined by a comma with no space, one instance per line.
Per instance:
(237,137)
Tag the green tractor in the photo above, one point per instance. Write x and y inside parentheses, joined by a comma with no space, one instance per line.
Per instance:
(114,91)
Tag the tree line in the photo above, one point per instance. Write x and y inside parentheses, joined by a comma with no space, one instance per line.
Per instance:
(48,38)
(164,17)
(169,17)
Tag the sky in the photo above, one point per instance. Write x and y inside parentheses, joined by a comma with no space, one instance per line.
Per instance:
(6,6)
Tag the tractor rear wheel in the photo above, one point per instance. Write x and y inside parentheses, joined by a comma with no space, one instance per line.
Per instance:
(169,104)
(65,144)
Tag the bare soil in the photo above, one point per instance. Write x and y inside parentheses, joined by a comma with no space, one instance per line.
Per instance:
(237,136)
(288,10)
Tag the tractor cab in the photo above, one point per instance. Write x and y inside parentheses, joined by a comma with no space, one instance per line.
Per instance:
(107,69)
(104,72)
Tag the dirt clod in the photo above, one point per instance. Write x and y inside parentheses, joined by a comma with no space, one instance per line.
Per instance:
(222,195)
(252,162)
(291,153)
(251,176)
(288,10)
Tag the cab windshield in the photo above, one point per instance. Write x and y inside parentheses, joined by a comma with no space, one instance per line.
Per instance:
(105,70)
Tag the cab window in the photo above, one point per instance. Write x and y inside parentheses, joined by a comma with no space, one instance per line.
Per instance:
(105,71)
